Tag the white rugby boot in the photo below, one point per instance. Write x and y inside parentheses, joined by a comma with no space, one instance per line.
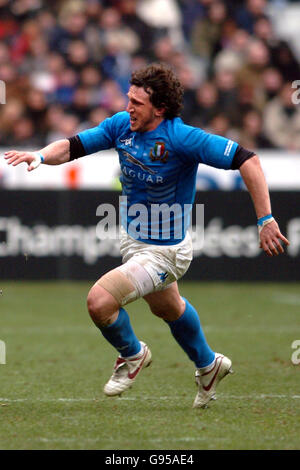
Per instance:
(207,382)
(126,371)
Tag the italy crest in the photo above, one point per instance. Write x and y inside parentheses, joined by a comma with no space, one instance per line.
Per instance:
(159,152)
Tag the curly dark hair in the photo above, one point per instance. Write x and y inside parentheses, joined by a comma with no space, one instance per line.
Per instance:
(163,87)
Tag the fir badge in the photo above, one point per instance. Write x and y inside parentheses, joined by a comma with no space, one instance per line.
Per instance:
(159,152)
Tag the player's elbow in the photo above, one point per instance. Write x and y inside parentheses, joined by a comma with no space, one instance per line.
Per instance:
(252,162)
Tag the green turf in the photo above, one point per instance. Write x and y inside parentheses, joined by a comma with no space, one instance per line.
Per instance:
(57,363)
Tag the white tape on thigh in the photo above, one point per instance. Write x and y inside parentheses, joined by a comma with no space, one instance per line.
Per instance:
(119,286)
(139,277)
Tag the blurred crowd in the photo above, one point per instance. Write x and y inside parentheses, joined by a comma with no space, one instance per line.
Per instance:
(66,66)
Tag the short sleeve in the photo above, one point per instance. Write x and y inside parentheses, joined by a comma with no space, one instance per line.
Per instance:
(198,146)
(103,137)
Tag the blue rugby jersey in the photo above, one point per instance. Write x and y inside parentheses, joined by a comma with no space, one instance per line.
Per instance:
(158,172)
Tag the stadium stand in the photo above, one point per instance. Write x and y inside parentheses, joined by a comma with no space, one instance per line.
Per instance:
(66,64)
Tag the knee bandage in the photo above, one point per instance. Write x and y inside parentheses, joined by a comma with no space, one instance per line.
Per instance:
(127,282)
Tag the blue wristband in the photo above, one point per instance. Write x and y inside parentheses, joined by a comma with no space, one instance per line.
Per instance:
(41,157)
(261,221)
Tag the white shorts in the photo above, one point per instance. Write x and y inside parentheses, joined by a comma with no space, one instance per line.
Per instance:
(164,264)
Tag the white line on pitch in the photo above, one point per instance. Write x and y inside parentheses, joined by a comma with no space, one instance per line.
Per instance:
(286,298)
(76,400)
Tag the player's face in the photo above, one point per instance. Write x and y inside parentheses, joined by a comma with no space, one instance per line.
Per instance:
(143,115)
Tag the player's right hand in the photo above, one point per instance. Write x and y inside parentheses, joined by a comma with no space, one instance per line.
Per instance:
(15,157)
(271,239)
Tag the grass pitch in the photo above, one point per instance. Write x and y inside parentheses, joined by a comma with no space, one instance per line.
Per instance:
(57,363)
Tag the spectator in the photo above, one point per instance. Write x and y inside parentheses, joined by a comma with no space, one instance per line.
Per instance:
(113,32)
(207,32)
(272,83)
(24,9)
(189,80)
(162,16)
(206,105)
(36,108)
(54,116)
(71,27)
(220,124)
(251,135)
(281,55)
(13,83)
(29,34)
(4,53)
(248,14)
(81,104)
(111,96)
(191,10)
(227,85)
(250,75)
(62,60)
(131,18)
(37,58)
(233,55)
(47,22)
(11,113)
(24,134)
(93,11)
(55,64)
(9,27)
(164,50)
(284,60)
(96,116)
(281,120)
(66,85)
(68,125)
(77,55)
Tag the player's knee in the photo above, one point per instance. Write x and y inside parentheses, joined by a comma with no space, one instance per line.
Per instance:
(162,312)
(100,305)
(94,305)
(167,311)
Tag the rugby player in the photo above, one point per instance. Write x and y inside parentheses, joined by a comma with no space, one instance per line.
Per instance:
(159,157)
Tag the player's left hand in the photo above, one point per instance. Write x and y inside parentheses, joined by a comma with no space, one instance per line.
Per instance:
(15,157)
(271,238)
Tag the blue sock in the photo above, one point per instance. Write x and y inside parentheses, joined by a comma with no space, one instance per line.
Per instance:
(121,335)
(188,333)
